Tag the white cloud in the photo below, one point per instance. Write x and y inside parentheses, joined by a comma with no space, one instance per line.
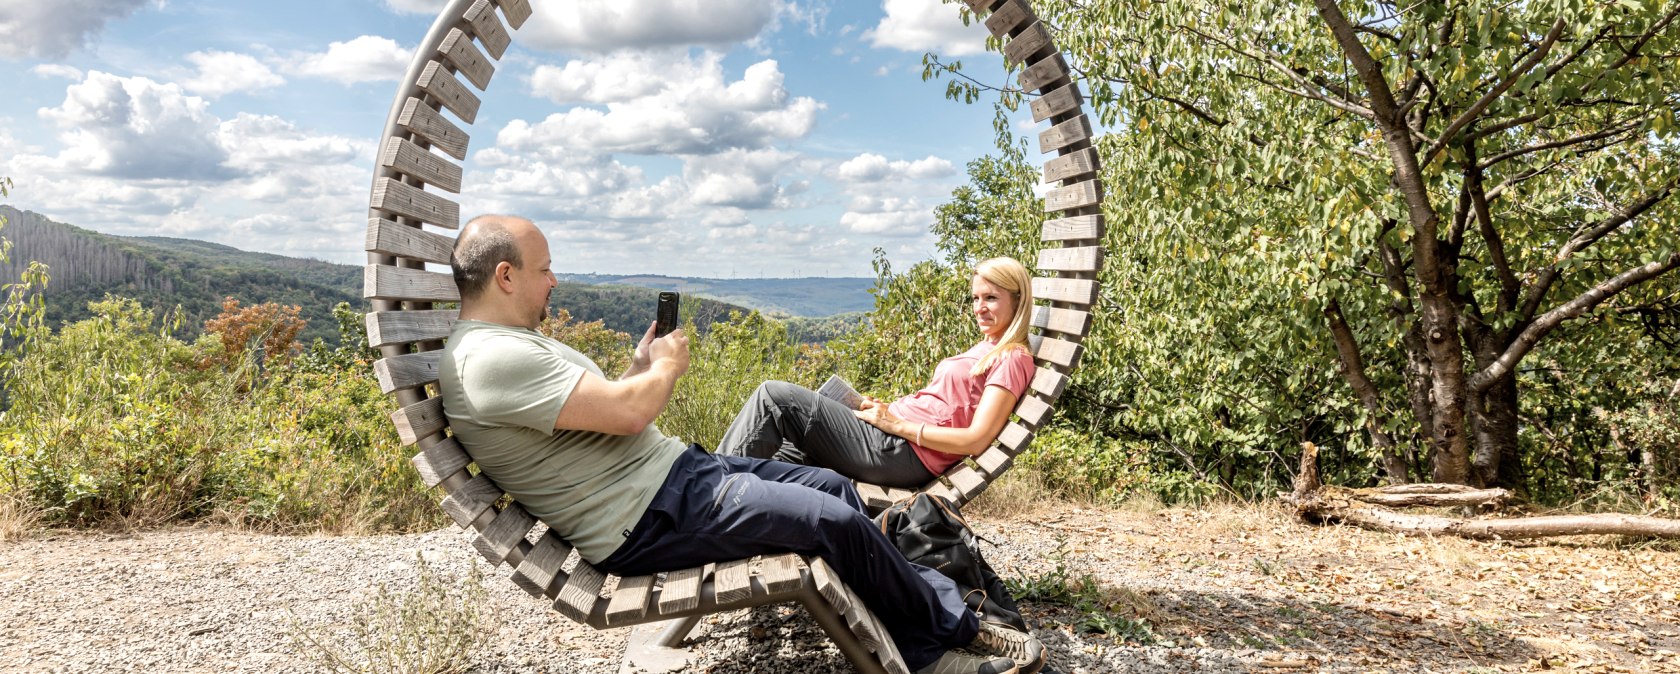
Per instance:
(684,106)
(221,72)
(870,167)
(887,216)
(133,127)
(416,6)
(51,30)
(58,70)
(368,58)
(607,25)
(738,178)
(926,25)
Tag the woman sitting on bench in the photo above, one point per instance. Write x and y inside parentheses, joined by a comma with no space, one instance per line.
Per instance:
(907,442)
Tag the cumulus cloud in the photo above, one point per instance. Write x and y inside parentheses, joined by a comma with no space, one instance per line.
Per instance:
(51,30)
(685,107)
(926,25)
(608,25)
(368,58)
(133,127)
(870,167)
(887,216)
(58,70)
(416,6)
(221,72)
(745,179)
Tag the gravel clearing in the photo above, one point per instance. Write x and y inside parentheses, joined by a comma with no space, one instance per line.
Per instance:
(1219,590)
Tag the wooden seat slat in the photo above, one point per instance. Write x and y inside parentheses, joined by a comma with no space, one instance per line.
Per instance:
(1014,438)
(406,327)
(895,494)
(629,602)
(1032,41)
(410,370)
(1009,16)
(407,158)
(682,590)
(1056,102)
(733,581)
(1049,383)
(1060,351)
(1073,228)
(488,28)
(994,461)
(781,573)
(1078,258)
(980,7)
(469,501)
(457,48)
(1077,195)
(438,460)
(419,420)
(967,480)
(516,11)
(442,86)
(1075,164)
(394,197)
(1048,73)
(386,282)
(1065,134)
(504,534)
(388,237)
(1065,321)
(1070,290)
(874,497)
(1032,410)
(577,598)
(426,124)
(539,573)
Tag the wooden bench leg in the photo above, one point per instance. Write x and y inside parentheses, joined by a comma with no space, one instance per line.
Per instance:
(657,647)
(839,632)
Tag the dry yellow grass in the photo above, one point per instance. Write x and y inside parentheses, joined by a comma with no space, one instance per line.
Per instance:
(18,519)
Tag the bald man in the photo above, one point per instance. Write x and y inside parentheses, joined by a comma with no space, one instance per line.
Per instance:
(580,452)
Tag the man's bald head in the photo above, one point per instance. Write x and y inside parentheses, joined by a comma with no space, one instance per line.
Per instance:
(486,241)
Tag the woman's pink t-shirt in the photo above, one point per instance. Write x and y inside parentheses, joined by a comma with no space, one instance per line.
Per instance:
(950,399)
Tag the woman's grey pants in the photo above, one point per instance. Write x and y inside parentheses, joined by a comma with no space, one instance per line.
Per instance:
(791,423)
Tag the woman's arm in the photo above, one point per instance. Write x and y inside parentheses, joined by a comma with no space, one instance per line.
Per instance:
(995,404)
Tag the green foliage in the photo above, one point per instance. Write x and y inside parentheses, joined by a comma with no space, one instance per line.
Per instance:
(725,366)
(1101,609)
(435,626)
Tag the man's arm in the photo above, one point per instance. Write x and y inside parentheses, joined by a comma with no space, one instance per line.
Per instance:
(628,405)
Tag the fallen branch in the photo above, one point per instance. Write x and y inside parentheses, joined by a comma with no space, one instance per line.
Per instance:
(1468,497)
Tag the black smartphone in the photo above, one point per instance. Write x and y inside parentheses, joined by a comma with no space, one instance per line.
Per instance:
(667,314)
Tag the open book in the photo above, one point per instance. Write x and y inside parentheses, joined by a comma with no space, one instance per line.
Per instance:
(841,391)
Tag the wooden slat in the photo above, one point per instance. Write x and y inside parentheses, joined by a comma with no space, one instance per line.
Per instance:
(470,500)
(504,533)
(580,593)
(392,196)
(994,461)
(1081,163)
(1080,258)
(733,581)
(439,460)
(1060,351)
(1049,382)
(682,590)
(874,497)
(407,371)
(895,495)
(404,327)
(425,123)
(516,11)
(1023,47)
(389,237)
(488,27)
(539,572)
(629,602)
(459,51)
(1065,321)
(948,492)
(1076,291)
(445,89)
(417,162)
(419,420)
(1077,195)
(1058,102)
(385,282)
(980,7)
(1064,134)
(781,573)
(1075,228)
(1014,438)
(967,480)
(1047,73)
(1032,410)
(1009,16)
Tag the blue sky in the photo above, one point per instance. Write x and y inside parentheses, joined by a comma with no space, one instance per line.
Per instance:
(723,138)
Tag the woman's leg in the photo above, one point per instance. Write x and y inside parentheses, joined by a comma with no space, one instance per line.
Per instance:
(792,423)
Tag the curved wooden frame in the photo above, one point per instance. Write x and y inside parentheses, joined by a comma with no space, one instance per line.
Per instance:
(463,43)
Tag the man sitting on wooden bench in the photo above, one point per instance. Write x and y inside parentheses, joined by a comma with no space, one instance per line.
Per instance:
(580,452)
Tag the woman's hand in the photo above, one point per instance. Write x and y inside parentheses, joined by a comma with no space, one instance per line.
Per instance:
(875,413)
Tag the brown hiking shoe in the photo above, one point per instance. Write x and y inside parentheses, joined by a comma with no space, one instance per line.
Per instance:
(958,662)
(998,639)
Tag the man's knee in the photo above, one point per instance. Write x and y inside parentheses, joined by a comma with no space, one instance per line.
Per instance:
(775,392)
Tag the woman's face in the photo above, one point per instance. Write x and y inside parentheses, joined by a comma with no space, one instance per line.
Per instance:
(994,307)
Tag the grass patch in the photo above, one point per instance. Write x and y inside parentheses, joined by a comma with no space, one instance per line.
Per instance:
(433,627)
(19,519)
(1102,608)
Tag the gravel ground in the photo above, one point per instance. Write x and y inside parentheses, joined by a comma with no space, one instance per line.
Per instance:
(1233,590)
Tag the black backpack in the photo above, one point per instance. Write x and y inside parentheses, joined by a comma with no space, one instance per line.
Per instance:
(930,531)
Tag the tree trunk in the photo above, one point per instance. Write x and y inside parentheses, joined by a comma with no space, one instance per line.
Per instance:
(1380,519)
(1352,367)
(1449,446)
(1495,461)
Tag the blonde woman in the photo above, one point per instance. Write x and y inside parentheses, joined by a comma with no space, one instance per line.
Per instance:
(907,442)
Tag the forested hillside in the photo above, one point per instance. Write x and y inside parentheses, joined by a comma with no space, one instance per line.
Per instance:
(808,297)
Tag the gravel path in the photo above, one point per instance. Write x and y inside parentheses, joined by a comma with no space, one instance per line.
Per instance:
(1232,590)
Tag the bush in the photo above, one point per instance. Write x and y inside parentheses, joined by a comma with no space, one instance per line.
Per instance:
(725,366)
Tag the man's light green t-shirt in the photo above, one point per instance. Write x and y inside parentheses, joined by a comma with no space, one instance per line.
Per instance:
(502,389)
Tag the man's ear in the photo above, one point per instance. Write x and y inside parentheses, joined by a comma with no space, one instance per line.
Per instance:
(504,276)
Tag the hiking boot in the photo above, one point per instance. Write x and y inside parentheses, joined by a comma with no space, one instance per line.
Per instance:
(999,639)
(958,662)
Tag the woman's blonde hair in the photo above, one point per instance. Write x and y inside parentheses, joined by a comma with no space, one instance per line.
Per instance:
(1011,276)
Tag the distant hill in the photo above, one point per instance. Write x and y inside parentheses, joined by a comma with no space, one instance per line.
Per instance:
(165,272)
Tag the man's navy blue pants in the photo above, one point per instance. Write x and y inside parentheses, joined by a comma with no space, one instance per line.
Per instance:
(719,508)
